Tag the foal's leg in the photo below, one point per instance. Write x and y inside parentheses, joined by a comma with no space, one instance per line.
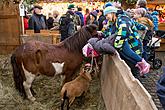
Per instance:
(27,84)
(71,101)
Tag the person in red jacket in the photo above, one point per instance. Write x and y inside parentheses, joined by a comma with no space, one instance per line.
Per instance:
(25,20)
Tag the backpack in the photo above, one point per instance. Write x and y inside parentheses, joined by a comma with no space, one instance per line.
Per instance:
(64,25)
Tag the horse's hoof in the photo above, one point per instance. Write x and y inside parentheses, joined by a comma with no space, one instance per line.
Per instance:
(32,99)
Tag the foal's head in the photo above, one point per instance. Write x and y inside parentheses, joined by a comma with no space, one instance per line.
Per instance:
(86,72)
(76,42)
(92,29)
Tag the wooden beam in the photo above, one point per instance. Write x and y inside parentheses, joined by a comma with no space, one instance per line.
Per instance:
(7,16)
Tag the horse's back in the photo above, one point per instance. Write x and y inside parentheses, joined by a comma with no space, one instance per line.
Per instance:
(33,46)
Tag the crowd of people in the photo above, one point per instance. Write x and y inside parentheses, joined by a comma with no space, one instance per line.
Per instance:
(132,28)
(125,31)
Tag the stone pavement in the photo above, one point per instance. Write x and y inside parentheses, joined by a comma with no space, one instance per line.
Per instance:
(149,82)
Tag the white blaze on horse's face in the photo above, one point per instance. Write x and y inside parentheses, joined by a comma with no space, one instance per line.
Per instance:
(58,67)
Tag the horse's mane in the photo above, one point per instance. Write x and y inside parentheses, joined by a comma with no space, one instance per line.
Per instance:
(76,42)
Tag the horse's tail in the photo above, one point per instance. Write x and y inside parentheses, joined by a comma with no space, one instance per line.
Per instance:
(64,97)
(18,75)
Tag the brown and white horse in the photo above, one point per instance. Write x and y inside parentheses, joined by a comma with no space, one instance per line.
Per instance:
(34,58)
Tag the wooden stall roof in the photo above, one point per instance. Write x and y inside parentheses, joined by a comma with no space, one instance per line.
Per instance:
(156,2)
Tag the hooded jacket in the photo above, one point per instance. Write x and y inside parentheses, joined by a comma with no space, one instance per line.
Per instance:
(104,46)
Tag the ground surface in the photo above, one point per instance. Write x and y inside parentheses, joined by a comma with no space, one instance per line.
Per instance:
(149,82)
(47,89)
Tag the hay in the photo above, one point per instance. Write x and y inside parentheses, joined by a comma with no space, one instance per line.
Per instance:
(47,93)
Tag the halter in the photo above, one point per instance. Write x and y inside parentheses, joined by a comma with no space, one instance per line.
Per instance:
(93,59)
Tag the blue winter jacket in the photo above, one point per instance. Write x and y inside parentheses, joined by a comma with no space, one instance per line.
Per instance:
(161,90)
(37,22)
(155,20)
(81,17)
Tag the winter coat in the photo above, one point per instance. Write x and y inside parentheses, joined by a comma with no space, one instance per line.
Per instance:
(26,26)
(81,17)
(108,28)
(161,90)
(155,19)
(100,20)
(105,45)
(37,22)
(50,22)
(69,26)
(85,19)
(127,31)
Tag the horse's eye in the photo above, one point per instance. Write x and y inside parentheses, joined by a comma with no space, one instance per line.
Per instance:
(96,35)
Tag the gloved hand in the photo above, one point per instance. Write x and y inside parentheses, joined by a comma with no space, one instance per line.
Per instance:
(143,66)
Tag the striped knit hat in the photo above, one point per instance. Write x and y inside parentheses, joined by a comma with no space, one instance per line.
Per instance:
(108,4)
(110,9)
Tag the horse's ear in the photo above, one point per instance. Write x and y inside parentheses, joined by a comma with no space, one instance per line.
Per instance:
(91,27)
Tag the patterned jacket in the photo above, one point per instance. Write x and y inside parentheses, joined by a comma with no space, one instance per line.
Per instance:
(127,31)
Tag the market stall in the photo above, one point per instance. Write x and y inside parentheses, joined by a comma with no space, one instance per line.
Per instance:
(46,36)
(61,6)
(158,5)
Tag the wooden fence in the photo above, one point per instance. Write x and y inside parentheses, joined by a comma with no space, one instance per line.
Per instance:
(9,29)
(46,36)
(120,90)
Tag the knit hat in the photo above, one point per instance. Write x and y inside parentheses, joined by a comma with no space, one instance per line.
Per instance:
(110,9)
(154,13)
(71,6)
(94,13)
(142,3)
(108,4)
